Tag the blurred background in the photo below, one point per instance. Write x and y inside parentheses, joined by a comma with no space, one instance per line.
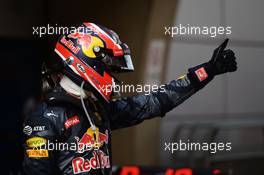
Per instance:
(230,109)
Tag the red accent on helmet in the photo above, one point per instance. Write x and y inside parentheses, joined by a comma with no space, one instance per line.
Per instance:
(110,43)
(102,84)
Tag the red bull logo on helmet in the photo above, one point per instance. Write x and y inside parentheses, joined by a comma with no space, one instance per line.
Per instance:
(87,42)
(82,38)
(70,45)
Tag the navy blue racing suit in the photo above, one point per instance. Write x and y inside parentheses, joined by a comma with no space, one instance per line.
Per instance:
(59,138)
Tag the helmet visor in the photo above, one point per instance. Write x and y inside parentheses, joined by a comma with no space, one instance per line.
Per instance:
(120,64)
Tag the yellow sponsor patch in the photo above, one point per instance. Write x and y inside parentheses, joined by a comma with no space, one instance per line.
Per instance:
(36,142)
(37,153)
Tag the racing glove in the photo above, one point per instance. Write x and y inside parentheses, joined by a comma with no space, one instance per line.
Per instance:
(222,61)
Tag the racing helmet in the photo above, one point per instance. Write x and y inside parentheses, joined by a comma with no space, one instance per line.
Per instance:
(92,53)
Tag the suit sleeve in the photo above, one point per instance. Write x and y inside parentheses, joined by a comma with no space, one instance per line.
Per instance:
(39,130)
(133,110)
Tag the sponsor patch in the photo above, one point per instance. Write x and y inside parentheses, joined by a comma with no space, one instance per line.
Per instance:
(71,121)
(97,161)
(81,68)
(92,140)
(52,114)
(37,153)
(36,142)
(201,74)
(27,130)
(87,42)
(39,128)
(70,45)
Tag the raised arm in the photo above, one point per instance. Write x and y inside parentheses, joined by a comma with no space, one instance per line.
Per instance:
(130,111)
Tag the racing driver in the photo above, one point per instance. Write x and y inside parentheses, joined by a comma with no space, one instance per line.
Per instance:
(69,132)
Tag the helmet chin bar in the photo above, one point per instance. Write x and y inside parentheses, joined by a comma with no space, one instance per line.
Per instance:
(72,88)
(87,86)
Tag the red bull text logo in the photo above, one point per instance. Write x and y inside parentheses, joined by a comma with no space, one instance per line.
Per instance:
(97,161)
(69,44)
